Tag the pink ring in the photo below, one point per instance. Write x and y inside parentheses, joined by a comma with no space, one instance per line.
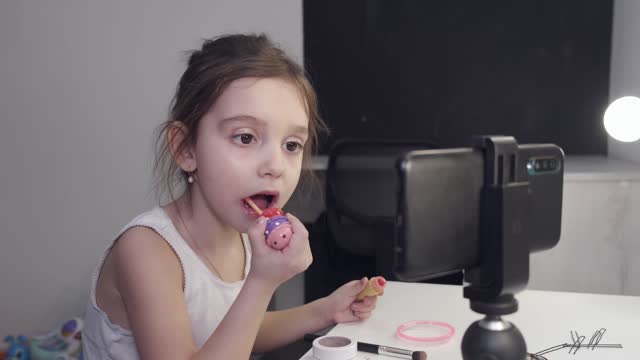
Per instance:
(404,327)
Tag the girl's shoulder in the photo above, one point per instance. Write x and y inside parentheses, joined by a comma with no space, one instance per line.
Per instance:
(138,257)
(143,248)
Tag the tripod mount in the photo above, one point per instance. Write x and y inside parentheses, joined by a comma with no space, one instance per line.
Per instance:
(503,268)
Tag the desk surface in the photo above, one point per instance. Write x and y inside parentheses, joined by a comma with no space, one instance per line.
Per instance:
(545,319)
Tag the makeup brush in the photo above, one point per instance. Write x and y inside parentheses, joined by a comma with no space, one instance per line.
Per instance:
(381,350)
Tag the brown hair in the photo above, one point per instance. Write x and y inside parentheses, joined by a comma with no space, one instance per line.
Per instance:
(210,70)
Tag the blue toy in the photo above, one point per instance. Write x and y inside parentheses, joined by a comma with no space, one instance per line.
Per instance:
(18,348)
(64,343)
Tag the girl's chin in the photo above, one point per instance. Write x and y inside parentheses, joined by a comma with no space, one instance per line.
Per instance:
(245,225)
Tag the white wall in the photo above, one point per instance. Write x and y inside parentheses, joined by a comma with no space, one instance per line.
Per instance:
(83,84)
(625,67)
(598,251)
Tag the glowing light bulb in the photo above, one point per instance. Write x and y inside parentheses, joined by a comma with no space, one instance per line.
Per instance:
(622,119)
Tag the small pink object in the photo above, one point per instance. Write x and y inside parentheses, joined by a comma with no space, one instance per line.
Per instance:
(278,232)
(402,329)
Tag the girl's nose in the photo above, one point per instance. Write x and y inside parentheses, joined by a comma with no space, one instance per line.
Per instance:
(273,162)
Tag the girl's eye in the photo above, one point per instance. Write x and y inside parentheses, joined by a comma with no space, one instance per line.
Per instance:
(245,139)
(293,146)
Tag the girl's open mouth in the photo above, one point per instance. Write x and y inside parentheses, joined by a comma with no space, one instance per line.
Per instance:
(262,200)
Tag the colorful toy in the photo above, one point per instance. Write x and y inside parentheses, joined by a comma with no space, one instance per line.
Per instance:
(278,231)
(18,348)
(375,287)
(64,343)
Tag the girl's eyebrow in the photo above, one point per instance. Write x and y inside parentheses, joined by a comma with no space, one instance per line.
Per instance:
(300,130)
(296,129)
(241,117)
(237,118)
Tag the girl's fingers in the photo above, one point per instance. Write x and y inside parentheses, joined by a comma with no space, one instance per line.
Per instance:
(300,239)
(362,315)
(256,230)
(360,307)
(367,304)
(298,227)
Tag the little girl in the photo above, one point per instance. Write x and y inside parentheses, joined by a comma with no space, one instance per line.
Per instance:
(192,279)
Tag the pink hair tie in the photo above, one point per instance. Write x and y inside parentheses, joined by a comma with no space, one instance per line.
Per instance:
(402,329)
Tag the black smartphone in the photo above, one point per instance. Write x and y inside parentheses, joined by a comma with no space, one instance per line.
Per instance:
(439,193)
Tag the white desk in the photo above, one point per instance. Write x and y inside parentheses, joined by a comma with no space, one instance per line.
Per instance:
(544,318)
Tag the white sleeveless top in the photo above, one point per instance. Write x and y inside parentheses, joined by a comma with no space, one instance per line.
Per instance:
(207,297)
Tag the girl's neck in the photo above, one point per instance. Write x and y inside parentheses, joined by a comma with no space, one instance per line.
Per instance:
(220,247)
(202,224)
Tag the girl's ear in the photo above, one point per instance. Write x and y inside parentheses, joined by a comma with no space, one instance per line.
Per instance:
(182,151)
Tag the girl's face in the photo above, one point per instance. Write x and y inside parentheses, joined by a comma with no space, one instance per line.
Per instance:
(250,144)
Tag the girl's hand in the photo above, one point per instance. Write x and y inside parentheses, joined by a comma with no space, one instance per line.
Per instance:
(342,305)
(277,266)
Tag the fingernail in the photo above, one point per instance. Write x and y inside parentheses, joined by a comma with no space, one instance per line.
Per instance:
(261,220)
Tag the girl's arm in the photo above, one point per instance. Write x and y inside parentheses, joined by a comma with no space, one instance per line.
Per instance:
(235,336)
(149,280)
(150,283)
(280,328)
(284,327)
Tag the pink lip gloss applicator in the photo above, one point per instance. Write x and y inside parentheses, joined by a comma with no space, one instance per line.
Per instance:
(279,231)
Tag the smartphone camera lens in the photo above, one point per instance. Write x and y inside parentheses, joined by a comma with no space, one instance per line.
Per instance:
(541,166)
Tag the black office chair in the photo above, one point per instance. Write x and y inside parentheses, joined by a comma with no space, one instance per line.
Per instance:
(352,238)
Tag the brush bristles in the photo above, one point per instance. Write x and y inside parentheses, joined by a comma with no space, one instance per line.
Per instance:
(419,355)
